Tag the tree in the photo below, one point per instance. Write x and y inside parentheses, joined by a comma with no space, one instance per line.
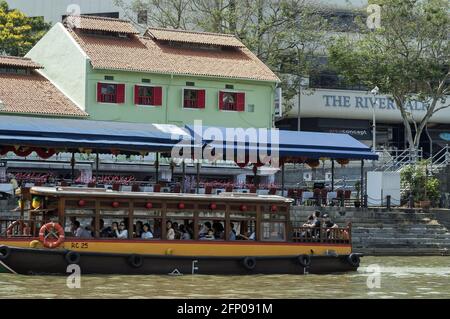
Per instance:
(19,33)
(407,58)
(284,34)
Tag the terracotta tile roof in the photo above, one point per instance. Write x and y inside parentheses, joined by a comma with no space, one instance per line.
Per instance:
(100,24)
(194,37)
(144,54)
(19,62)
(34,94)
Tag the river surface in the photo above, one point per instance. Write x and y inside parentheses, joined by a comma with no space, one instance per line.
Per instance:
(377,277)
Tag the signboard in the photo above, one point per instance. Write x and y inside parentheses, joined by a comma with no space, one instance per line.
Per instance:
(278,102)
(3,171)
(346,104)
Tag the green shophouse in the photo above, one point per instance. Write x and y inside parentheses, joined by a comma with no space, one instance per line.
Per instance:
(164,76)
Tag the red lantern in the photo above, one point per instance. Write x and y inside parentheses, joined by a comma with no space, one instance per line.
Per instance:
(213,206)
(343,161)
(274,208)
(45,153)
(81,203)
(115,204)
(313,163)
(243,208)
(149,205)
(181,205)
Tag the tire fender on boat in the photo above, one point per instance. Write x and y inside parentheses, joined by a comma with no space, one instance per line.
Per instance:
(304,260)
(353,259)
(5,251)
(249,263)
(135,260)
(72,257)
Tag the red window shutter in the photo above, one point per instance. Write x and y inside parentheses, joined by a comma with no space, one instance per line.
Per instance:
(99,92)
(136,94)
(201,99)
(120,93)
(221,100)
(240,102)
(157,96)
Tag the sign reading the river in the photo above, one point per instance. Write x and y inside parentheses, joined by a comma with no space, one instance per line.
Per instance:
(352,105)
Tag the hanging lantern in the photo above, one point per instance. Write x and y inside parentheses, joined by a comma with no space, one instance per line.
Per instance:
(313,163)
(5,149)
(181,205)
(115,204)
(343,161)
(149,205)
(115,152)
(36,203)
(274,208)
(23,151)
(213,206)
(243,208)
(81,203)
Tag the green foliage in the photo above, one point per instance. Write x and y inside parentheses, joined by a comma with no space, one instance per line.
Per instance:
(414,179)
(18,33)
(408,57)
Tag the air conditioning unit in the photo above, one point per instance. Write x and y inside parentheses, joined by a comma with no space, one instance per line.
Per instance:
(307,176)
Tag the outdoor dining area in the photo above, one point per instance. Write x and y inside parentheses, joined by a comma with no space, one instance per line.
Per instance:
(46,137)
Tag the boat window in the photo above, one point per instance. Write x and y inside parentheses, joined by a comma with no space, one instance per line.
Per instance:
(211,229)
(146,228)
(273,231)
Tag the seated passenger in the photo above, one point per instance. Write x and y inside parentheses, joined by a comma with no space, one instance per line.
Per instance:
(138,229)
(249,236)
(176,230)
(170,235)
(121,232)
(208,236)
(232,235)
(205,229)
(184,234)
(218,230)
(146,233)
(79,231)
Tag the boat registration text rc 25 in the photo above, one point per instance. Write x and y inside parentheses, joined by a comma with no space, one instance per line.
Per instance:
(79,245)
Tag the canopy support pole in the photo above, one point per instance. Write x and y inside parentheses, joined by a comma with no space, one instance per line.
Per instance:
(183,179)
(332,175)
(72,167)
(282,179)
(197,182)
(157,168)
(362,182)
(97,160)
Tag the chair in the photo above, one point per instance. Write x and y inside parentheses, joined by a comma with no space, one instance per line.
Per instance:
(208,189)
(272,191)
(317,193)
(253,190)
(135,188)
(116,187)
(177,188)
(91,184)
(323,194)
(157,188)
(229,189)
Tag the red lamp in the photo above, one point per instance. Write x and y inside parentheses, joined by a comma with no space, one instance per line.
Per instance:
(115,204)
(243,208)
(274,208)
(81,203)
(213,206)
(181,205)
(149,205)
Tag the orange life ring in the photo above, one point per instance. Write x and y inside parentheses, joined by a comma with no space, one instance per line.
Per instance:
(52,229)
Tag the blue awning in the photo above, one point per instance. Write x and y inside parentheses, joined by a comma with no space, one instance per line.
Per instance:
(286,143)
(51,132)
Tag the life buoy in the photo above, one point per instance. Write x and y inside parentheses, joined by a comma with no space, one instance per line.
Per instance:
(54,230)
(136,261)
(72,257)
(5,251)
(249,263)
(304,260)
(353,259)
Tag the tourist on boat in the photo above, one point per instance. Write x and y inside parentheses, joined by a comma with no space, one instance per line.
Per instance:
(205,229)
(208,236)
(121,232)
(146,233)
(184,233)
(328,224)
(170,234)
(138,229)
(232,235)
(80,232)
(157,228)
(218,230)
(251,235)
(316,225)
(176,230)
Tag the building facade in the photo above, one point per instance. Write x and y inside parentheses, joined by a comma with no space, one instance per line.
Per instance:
(164,76)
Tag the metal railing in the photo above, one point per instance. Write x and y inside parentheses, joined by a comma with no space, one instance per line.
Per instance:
(322,235)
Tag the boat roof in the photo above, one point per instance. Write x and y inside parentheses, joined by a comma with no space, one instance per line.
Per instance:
(107,193)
